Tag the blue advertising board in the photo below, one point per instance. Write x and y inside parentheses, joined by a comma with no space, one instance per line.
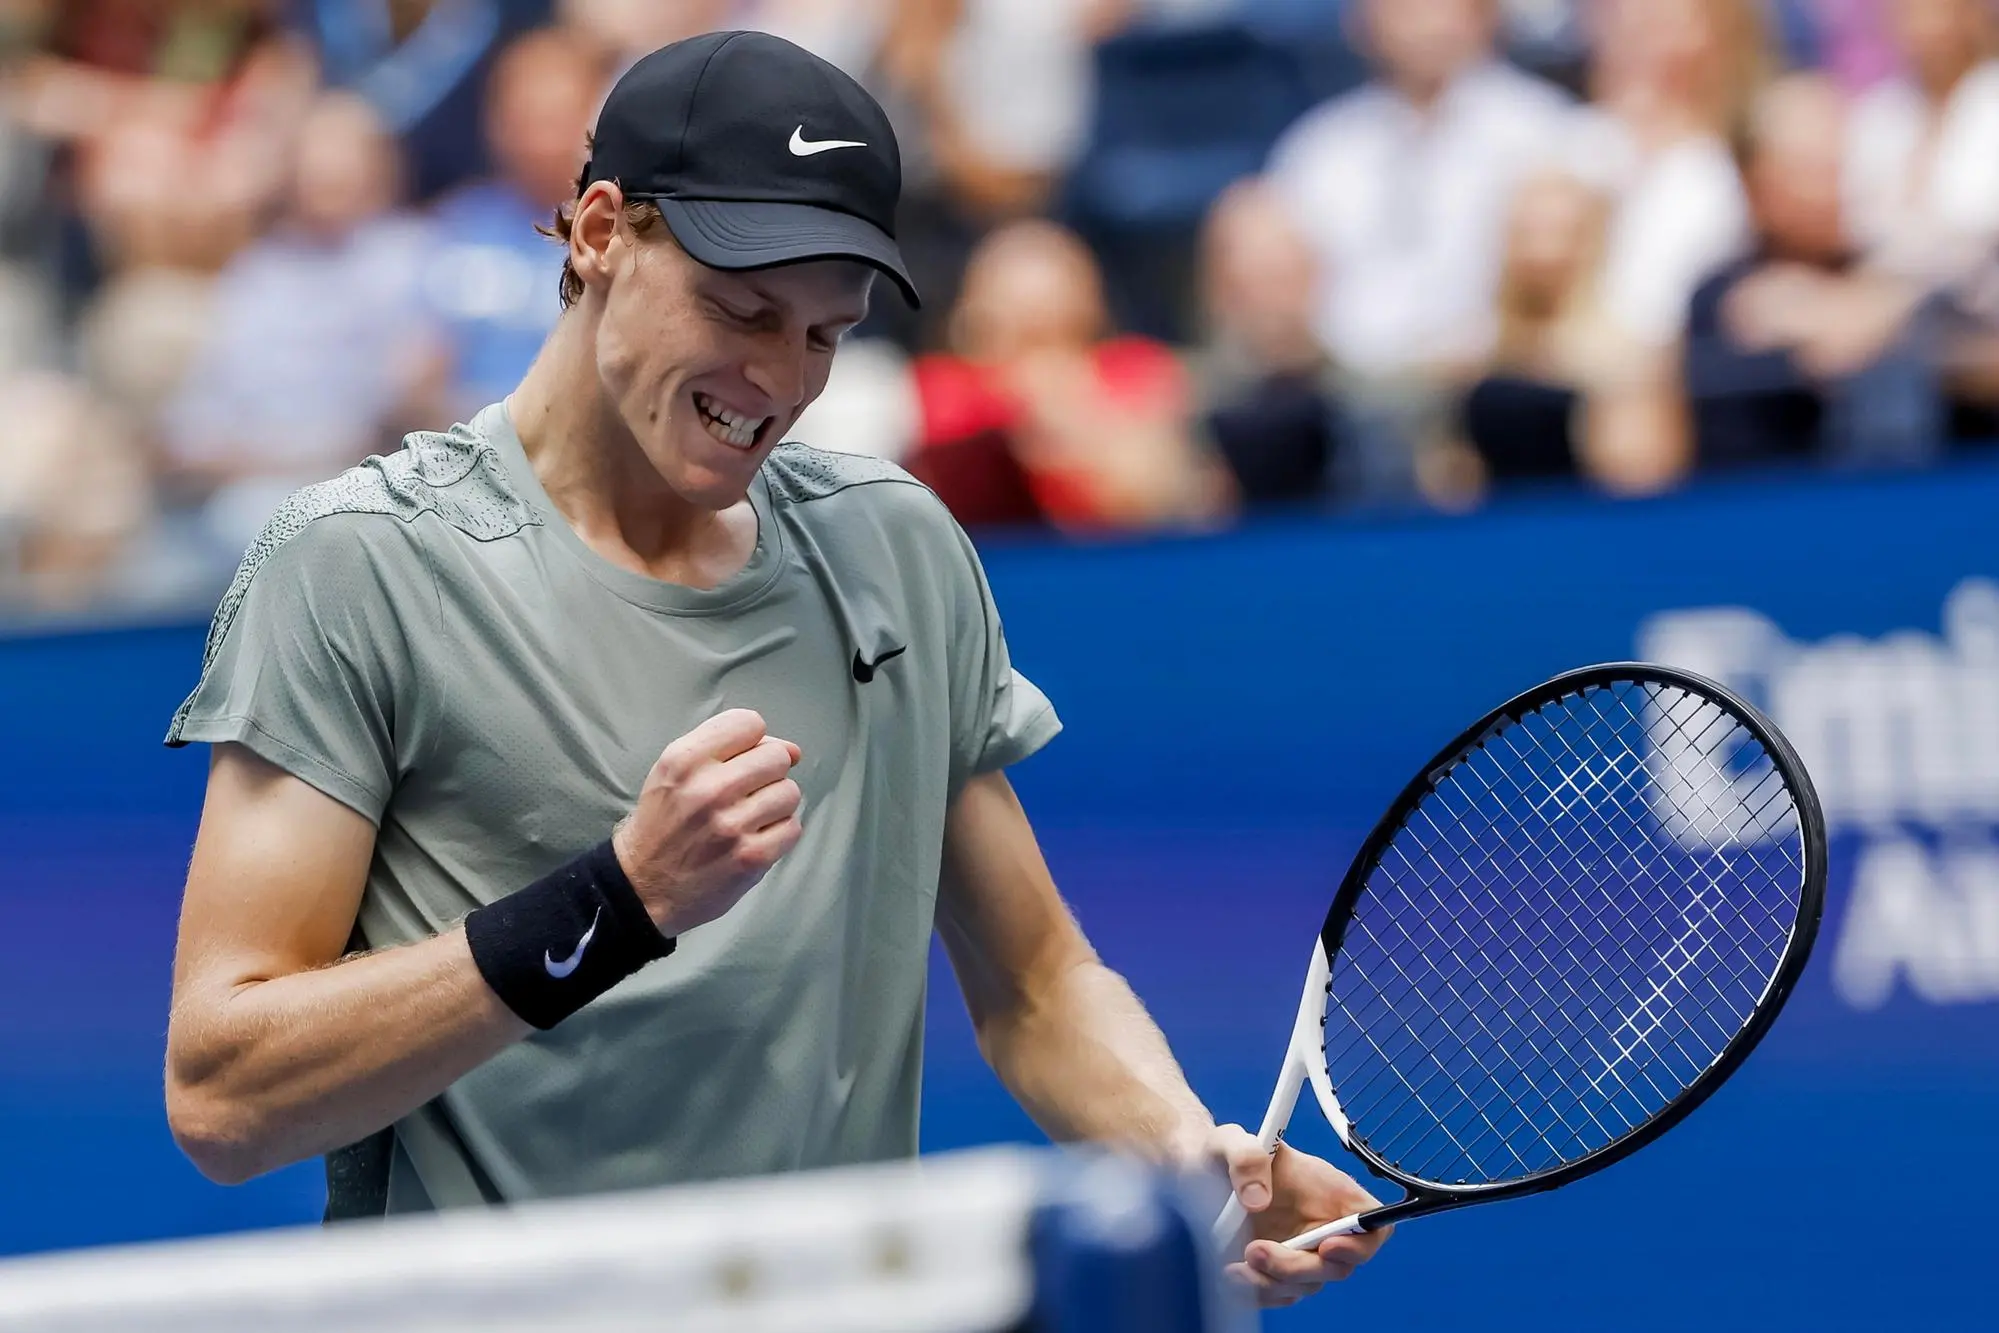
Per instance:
(1239,709)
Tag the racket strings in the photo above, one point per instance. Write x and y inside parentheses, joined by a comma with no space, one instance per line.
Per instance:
(1490,1035)
(1567,930)
(1644,1008)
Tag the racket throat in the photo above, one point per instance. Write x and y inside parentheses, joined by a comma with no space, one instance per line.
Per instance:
(1308,1042)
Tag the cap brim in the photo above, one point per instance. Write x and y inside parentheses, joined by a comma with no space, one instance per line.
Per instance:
(737,234)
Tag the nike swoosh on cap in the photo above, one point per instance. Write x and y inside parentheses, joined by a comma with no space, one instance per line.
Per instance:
(568,965)
(803,147)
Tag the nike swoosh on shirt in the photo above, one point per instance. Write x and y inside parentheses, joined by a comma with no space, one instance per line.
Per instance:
(864,671)
(568,965)
(804,147)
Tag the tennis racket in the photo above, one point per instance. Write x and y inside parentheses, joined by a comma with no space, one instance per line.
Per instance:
(1566,933)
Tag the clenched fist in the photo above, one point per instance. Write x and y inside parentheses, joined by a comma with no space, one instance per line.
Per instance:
(717,810)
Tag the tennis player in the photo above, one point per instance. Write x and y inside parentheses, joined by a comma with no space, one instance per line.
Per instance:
(587,780)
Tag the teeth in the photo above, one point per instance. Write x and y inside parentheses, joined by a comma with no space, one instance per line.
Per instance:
(731,428)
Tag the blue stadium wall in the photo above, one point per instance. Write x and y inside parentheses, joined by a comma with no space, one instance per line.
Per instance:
(1239,709)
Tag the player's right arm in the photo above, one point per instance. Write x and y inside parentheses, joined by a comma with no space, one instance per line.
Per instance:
(279,1048)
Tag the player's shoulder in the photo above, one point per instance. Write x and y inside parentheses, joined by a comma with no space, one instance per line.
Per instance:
(368,514)
(863,511)
(801,475)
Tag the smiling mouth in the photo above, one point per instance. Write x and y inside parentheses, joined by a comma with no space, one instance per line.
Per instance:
(731,428)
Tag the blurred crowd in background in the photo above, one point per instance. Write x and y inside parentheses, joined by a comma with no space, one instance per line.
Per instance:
(1180,257)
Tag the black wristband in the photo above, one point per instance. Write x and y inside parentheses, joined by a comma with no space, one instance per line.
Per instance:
(565,939)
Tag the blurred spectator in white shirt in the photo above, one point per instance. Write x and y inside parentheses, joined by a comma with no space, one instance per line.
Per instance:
(319,348)
(1402,186)
(1922,167)
(491,278)
(1671,83)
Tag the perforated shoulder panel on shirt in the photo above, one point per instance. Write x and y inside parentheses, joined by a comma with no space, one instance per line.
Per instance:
(799,472)
(456,475)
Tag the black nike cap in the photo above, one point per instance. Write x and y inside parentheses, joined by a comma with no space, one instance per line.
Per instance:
(757,152)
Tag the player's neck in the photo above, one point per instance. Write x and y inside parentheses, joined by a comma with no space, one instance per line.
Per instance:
(602,484)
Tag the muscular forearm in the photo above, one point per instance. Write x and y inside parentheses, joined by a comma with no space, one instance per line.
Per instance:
(1087,1062)
(277,1070)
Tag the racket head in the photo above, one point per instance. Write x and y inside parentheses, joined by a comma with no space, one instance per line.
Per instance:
(1686,710)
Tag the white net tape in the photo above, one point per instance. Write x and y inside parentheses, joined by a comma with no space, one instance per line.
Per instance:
(936,1247)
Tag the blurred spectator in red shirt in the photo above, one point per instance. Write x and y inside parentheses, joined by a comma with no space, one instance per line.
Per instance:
(180,114)
(492,278)
(1035,413)
(319,350)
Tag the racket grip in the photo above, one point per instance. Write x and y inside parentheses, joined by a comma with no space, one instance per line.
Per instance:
(1230,1222)
(1310,1240)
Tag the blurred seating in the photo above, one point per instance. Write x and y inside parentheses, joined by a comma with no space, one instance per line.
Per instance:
(319,351)
(421,65)
(491,279)
(1319,251)
(1180,113)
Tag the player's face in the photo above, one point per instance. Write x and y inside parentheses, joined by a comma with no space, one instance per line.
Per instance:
(708,370)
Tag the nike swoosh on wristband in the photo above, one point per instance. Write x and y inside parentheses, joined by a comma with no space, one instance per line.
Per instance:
(803,147)
(568,965)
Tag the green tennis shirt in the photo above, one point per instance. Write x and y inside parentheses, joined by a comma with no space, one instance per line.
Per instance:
(426,640)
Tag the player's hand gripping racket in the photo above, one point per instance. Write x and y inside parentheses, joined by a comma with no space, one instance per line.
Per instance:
(1566,932)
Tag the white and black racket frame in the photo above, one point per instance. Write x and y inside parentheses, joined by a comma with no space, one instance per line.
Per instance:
(1305,1057)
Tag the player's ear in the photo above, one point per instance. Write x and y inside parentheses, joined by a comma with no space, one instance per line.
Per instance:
(594,232)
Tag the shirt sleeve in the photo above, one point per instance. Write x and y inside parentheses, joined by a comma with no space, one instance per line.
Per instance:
(998,716)
(306,659)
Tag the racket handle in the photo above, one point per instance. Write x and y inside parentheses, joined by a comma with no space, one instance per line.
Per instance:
(1290,1080)
(1310,1240)
(1230,1222)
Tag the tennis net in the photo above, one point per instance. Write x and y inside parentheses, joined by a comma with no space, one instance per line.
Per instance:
(993,1241)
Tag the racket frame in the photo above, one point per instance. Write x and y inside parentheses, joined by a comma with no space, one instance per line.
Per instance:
(1305,1059)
